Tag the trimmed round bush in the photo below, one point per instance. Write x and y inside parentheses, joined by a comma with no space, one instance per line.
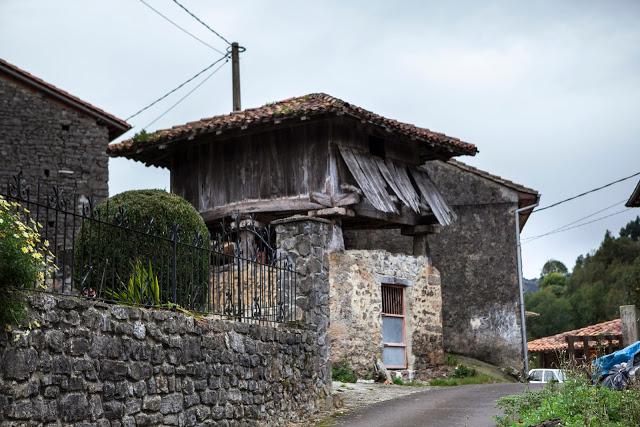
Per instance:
(134,230)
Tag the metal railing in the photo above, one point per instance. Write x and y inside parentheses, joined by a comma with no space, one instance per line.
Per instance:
(234,272)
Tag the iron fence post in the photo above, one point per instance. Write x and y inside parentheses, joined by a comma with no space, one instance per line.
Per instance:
(174,263)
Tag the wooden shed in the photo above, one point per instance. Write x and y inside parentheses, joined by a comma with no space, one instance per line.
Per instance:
(314,154)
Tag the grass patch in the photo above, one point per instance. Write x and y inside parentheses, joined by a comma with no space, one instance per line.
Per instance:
(575,403)
(342,372)
(477,379)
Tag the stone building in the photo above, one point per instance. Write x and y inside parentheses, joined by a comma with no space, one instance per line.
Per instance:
(52,136)
(476,256)
(318,158)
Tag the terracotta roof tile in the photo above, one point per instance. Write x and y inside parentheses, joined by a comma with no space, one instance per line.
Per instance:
(304,106)
(558,341)
(115,125)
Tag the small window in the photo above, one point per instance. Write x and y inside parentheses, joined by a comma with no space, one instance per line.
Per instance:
(394,355)
(47,173)
(66,126)
(376,146)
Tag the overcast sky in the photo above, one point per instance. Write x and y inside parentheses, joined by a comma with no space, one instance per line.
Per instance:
(549,91)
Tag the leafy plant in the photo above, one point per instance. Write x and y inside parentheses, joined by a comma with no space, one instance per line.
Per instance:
(142,288)
(25,260)
(451,360)
(398,381)
(463,371)
(575,403)
(342,372)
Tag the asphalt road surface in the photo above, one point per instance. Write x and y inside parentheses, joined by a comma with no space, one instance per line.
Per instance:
(464,406)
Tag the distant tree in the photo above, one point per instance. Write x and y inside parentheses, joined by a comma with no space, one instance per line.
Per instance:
(553,266)
(631,230)
(555,314)
(555,282)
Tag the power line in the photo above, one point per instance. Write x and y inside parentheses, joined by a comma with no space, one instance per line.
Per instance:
(579,225)
(186,95)
(202,22)
(574,222)
(208,67)
(184,30)
(586,192)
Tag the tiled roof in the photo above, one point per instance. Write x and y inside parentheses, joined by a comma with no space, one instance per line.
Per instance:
(634,200)
(115,125)
(558,342)
(300,107)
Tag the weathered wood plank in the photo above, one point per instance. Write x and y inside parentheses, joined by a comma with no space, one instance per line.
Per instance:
(408,195)
(289,204)
(365,176)
(368,165)
(436,202)
(404,182)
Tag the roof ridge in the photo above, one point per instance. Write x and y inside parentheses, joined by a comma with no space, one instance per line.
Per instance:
(492,177)
(27,77)
(313,104)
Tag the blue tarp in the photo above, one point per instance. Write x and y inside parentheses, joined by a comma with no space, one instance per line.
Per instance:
(602,365)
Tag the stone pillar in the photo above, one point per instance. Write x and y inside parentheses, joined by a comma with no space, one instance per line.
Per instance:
(420,235)
(304,241)
(629,316)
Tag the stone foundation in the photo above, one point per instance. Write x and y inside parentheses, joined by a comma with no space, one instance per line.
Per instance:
(93,364)
(355,331)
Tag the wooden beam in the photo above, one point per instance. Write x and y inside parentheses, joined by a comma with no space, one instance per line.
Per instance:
(332,212)
(421,229)
(289,204)
(405,217)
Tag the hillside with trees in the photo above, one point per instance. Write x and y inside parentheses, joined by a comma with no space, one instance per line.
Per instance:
(599,283)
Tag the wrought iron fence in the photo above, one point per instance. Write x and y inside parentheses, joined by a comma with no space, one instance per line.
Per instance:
(236,273)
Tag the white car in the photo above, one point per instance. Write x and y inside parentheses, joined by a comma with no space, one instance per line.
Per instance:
(544,376)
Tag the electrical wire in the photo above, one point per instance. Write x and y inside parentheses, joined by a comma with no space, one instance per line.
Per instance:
(184,30)
(577,220)
(186,95)
(586,192)
(208,67)
(202,22)
(577,226)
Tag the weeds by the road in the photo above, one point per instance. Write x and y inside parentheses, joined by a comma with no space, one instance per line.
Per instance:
(476,379)
(576,403)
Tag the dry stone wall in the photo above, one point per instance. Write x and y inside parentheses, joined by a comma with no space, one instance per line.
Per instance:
(356,278)
(87,363)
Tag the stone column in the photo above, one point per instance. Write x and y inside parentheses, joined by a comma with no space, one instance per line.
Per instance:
(304,241)
(629,316)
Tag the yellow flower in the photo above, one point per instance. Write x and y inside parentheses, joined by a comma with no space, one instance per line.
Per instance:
(24,249)
(37,255)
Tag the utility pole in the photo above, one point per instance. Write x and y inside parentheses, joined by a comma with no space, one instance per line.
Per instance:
(523,324)
(235,71)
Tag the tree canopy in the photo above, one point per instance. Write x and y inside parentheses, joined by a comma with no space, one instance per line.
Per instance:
(598,285)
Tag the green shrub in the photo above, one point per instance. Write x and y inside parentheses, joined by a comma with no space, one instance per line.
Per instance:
(398,381)
(575,403)
(24,259)
(451,360)
(342,372)
(105,253)
(462,371)
(142,287)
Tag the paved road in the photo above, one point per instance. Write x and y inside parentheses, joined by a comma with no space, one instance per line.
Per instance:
(464,406)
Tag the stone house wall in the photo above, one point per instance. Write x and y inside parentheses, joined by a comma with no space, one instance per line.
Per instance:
(93,364)
(41,137)
(476,257)
(355,331)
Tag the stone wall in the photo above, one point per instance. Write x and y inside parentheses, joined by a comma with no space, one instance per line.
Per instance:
(42,137)
(92,364)
(476,257)
(304,243)
(356,278)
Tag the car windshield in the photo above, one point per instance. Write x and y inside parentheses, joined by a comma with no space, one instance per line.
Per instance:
(535,375)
